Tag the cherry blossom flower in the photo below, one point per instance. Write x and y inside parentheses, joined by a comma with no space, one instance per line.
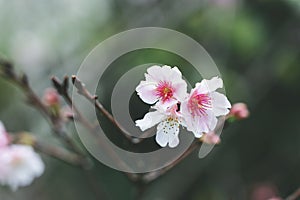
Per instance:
(19,165)
(163,85)
(168,122)
(4,139)
(202,107)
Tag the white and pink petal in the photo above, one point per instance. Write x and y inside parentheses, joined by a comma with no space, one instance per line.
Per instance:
(146,91)
(150,120)
(167,133)
(207,86)
(220,104)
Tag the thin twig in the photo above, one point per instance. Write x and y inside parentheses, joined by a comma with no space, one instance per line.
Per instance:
(94,100)
(55,122)
(51,150)
(151,176)
(295,195)
(62,89)
(62,154)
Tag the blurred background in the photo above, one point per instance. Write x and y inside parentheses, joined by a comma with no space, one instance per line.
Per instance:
(255,44)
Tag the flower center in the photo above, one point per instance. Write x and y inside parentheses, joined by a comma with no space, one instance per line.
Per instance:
(164,90)
(199,103)
(171,125)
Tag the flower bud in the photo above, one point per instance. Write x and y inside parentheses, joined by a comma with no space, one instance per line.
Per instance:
(239,111)
(210,138)
(51,97)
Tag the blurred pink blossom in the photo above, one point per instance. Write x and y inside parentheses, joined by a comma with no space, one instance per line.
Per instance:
(19,165)
(51,97)
(239,111)
(210,138)
(264,191)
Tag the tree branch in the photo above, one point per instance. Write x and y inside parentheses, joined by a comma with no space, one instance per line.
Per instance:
(55,122)
(94,100)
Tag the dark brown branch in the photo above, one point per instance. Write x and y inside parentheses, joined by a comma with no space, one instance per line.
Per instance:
(151,176)
(94,100)
(51,150)
(62,89)
(63,155)
(55,122)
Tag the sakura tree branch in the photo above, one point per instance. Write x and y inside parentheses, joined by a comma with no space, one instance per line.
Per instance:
(22,82)
(51,150)
(62,89)
(62,154)
(151,176)
(8,72)
(94,100)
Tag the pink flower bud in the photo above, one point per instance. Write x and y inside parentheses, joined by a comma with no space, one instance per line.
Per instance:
(239,111)
(210,138)
(51,97)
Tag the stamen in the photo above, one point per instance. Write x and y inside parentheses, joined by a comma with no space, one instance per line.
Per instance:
(164,90)
(199,103)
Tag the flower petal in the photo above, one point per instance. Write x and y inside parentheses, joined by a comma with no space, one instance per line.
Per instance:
(180,90)
(167,104)
(149,120)
(207,86)
(146,91)
(167,133)
(162,137)
(220,104)
(198,124)
(173,140)
(157,73)
(172,74)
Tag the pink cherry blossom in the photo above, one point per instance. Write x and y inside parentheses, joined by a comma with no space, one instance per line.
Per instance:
(19,165)
(168,125)
(163,85)
(202,107)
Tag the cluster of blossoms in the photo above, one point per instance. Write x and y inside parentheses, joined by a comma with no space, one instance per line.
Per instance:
(19,164)
(197,111)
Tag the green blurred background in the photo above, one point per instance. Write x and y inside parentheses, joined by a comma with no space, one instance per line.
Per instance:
(255,44)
